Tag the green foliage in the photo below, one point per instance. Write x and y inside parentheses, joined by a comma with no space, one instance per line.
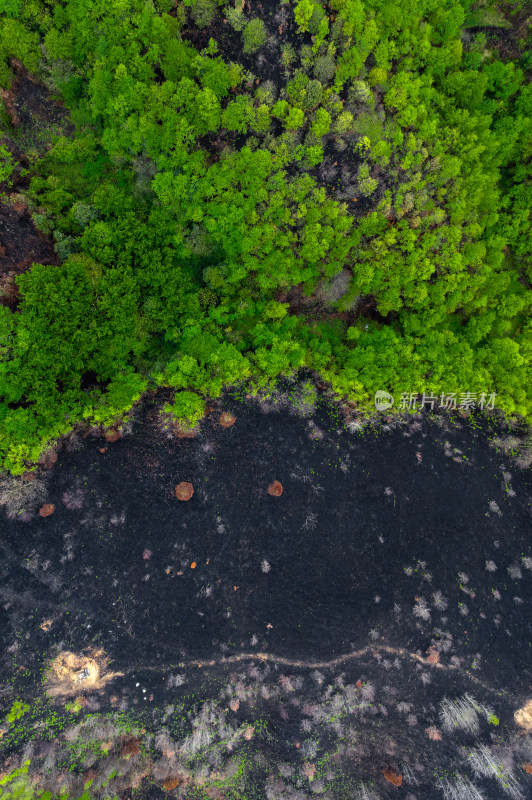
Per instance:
(377,76)
(344,123)
(262,119)
(314,155)
(235,18)
(366,184)
(361,92)
(325,68)
(238,114)
(288,54)
(254,36)
(123,391)
(17,710)
(11,8)
(180,211)
(313,95)
(266,93)
(296,89)
(203,12)
(322,123)
(187,407)
(16,40)
(295,119)
(280,109)
(7,165)
(303,13)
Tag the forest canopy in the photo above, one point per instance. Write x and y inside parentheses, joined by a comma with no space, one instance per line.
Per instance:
(246,191)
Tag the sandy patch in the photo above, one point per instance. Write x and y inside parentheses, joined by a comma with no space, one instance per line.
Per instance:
(69,673)
(523,717)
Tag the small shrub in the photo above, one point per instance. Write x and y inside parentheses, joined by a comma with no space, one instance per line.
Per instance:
(377,77)
(306,56)
(314,155)
(322,123)
(295,119)
(266,93)
(366,185)
(360,93)
(235,18)
(288,54)
(18,709)
(325,68)
(84,213)
(462,714)
(254,36)
(460,788)
(18,495)
(203,12)
(302,14)
(344,123)
(313,94)
(187,407)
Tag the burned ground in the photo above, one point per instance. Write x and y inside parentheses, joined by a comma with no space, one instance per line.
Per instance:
(397,554)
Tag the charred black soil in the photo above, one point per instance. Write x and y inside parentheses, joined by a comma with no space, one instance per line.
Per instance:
(397,560)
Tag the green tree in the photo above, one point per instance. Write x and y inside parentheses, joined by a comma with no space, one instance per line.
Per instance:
(322,123)
(203,12)
(295,119)
(254,36)
(303,13)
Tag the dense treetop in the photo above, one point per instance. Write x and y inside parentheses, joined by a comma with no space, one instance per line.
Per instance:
(374,154)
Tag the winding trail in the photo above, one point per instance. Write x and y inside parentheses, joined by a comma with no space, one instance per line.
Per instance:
(334,662)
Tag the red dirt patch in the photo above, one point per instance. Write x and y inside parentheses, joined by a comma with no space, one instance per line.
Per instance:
(184,490)
(131,747)
(393,777)
(48,459)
